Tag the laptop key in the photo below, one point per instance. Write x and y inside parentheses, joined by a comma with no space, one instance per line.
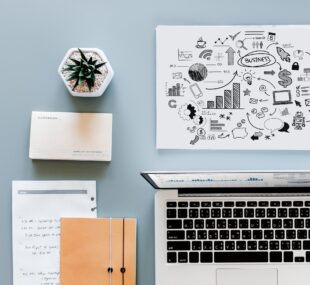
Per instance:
(182,204)
(288,223)
(238,213)
(240,204)
(302,234)
(240,257)
(266,224)
(229,245)
(254,224)
(207,245)
(196,245)
(226,213)
(263,245)
(277,223)
(260,213)
(252,245)
(193,257)
(271,213)
(212,234)
(182,257)
(307,203)
(279,234)
(263,204)
(304,213)
(293,212)
(296,245)
(246,234)
(243,224)
(298,203)
(206,257)
(182,213)
(274,245)
(178,245)
(174,224)
(308,256)
(275,204)
(218,245)
(229,204)
(171,257)
(205,204)
(216,213)
(221,224)
(275,256)
(249,213)
(188,224)
(199,224)
(193,213)
(210,224)
(171,204)
(299,224)
(195,204)
(202,234)
(282,213)
(307,223)
(241,245)
(190,235)
(217,204)
(285,245)
(235,234)
(299,259)
(306,245)
(174,235)
(232,223)
(268,234)
(291,234)
(171,213)
(204,213)
(224,234)
(252,204)
(257,234)
(288,256)
(286,203)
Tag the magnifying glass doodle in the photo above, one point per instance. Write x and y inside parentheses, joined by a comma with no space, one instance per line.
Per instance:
(240,44)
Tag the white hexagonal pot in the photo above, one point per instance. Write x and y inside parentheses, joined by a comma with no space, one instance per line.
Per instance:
(102,81)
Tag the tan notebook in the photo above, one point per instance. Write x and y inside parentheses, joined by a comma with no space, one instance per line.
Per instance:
(98,251)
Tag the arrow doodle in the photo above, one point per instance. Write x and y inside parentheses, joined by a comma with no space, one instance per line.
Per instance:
(231,56)
(248,116)
(275,110)
(262,100)
(185,79)
(235,74)
(266,81)
(271,72)
(276,43)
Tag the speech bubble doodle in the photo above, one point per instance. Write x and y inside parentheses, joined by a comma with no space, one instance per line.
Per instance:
(274,124)
(285,128)
(258,58)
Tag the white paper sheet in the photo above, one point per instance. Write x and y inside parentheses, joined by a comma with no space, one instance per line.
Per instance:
(37,207)
(233,87)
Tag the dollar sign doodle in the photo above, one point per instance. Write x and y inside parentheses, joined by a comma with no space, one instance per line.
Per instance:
(286,79)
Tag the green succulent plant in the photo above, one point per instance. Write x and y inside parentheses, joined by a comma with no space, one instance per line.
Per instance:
(84,70)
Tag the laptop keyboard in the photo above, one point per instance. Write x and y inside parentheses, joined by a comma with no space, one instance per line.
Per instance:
(238,231)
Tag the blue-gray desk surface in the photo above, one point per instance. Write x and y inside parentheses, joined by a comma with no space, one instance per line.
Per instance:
(34,36)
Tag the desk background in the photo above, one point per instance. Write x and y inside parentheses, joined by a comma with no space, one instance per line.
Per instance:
(34,36)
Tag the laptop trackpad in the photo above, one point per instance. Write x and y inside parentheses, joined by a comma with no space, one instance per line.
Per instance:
(241,276)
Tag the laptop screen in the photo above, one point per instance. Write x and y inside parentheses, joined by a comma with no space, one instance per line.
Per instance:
(177,180)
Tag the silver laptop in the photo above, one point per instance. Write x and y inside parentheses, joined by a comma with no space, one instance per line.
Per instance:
(232,228)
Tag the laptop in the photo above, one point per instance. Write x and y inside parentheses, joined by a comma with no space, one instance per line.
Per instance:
(282,97)
(232,228)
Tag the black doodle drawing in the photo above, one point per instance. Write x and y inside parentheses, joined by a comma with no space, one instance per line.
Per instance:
(231,56)
(285,56)
(233,37)
(285,128)
(198,72)
(297,104)
(299,121)
(259,74)
(206,54)
(201,43)
(195,140)
(219,41)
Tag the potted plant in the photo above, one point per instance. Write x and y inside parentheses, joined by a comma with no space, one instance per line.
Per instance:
(86,72)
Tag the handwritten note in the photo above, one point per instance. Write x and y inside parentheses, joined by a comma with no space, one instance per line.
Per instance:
(37,209)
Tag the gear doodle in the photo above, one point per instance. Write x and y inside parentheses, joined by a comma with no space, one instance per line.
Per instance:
(187,112)
(199,120)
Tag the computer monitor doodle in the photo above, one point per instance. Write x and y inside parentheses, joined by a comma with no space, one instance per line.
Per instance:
(282,97)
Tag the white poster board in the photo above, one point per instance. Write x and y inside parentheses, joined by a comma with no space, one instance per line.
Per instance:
(233,87)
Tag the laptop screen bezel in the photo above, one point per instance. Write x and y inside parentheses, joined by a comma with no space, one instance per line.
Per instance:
(226,189)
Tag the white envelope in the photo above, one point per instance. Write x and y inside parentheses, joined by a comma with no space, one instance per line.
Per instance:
(71,136)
